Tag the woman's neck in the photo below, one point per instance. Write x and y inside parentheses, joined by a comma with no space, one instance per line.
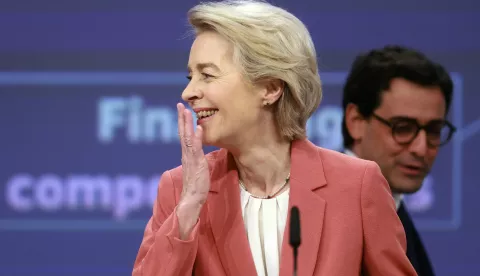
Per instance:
(264,167)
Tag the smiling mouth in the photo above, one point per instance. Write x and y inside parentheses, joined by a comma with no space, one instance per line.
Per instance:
(206,113)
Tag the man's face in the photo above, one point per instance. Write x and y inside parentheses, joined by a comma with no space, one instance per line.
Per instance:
(404,166)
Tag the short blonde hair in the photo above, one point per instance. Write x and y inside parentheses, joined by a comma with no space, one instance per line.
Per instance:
(269,42)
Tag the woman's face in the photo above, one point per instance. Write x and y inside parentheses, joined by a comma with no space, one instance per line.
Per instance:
(229,109)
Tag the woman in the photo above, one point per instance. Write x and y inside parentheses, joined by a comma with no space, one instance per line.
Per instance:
(253,84)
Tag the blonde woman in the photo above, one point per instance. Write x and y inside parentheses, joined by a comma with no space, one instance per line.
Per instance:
(253,85)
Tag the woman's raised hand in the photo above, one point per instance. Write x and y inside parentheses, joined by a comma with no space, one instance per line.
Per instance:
(196,175)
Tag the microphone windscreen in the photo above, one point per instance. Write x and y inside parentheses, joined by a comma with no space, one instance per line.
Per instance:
(295,239)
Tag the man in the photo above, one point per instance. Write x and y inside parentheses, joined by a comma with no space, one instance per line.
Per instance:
(395,102)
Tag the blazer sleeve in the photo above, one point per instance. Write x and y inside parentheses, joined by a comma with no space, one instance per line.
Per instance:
(384,237)
(162,252)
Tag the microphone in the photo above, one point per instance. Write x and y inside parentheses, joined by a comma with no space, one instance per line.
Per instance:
(295,239)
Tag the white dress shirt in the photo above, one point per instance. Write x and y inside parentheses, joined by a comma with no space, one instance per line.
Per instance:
(265,221)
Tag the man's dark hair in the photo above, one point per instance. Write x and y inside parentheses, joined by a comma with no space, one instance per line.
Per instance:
(372,73)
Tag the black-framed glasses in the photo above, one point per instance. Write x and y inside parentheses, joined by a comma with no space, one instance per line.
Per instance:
(405,130)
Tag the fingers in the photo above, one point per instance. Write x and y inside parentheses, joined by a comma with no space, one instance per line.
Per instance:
(181,124)
(198,141)
(190,140)
(188,129)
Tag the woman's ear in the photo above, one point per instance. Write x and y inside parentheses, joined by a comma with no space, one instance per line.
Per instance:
(272,90)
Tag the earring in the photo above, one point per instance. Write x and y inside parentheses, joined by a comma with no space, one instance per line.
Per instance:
(266,103)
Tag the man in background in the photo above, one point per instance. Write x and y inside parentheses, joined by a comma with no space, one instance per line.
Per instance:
(395,103)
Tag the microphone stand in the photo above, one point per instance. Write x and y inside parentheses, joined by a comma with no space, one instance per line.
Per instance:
(295,256)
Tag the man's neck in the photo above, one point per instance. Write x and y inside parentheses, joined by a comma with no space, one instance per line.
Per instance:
(396,196)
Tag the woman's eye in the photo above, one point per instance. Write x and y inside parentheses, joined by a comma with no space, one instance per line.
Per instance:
(205,75)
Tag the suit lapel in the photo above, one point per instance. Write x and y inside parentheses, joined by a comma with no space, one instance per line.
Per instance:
(225,215)
(306,177)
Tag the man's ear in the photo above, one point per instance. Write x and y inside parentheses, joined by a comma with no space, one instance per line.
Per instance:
(272,90)
(355,122)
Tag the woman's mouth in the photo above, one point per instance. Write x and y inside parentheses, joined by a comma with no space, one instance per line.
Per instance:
(204,115)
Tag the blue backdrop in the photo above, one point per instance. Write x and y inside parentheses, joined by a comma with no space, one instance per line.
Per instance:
(88,121)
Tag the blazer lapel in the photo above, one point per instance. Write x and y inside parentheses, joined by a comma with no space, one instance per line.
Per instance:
(306,176)
(225,215)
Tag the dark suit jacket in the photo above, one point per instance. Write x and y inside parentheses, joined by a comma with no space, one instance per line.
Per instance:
(415,251)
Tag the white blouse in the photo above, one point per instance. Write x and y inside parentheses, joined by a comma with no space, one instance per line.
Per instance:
(265,221)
